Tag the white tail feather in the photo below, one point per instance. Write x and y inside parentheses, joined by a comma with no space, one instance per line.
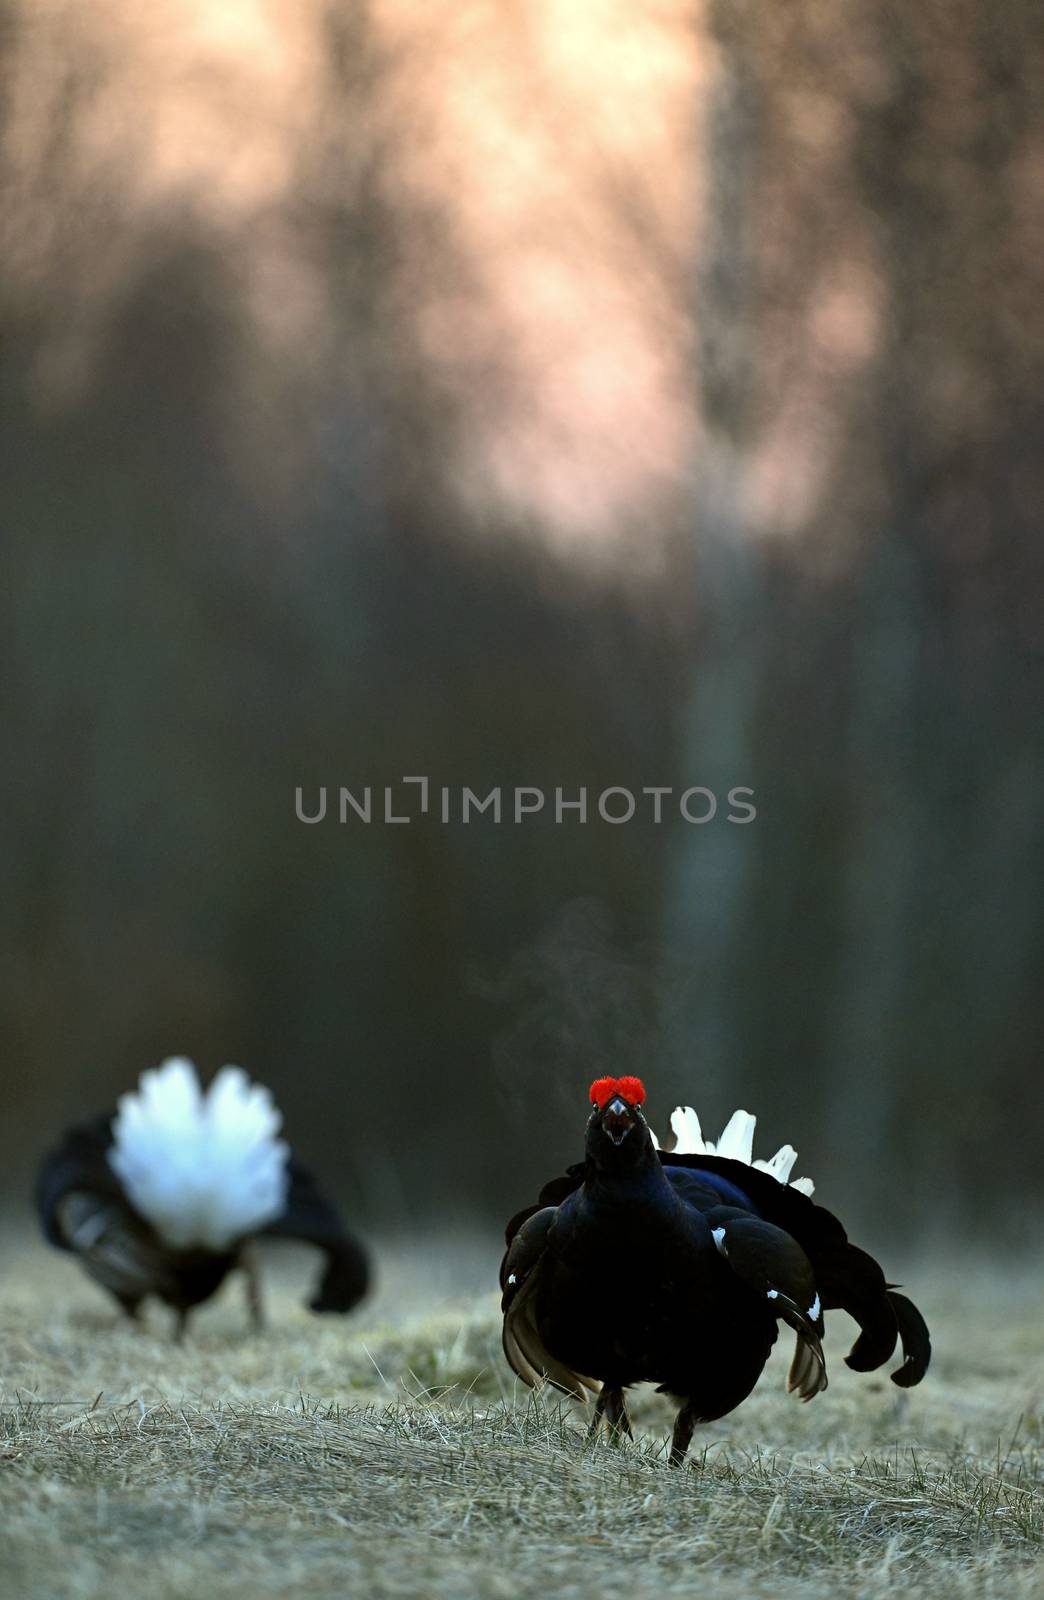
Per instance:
(206,1170)
(736,1142)
(737,1139)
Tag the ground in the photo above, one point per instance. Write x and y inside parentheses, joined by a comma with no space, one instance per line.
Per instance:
(393,1454)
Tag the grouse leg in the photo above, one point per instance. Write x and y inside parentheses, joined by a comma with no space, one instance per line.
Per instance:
(603,1395)
(181,1317)
(684,1423)
(610,1405)
(248,1262)
(616,1416)
(131,1308)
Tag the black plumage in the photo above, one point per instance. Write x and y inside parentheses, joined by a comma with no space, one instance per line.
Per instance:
(84,1209)
(645,1266)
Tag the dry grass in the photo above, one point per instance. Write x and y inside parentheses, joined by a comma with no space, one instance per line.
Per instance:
(392,1455)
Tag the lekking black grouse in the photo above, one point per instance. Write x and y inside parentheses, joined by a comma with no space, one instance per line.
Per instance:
(166,1197)
(676,1267)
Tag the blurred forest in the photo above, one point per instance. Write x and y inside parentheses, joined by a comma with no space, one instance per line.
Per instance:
(578,393)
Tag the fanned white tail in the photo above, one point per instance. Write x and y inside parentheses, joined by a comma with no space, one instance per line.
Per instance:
(205,1170)
(736,1142)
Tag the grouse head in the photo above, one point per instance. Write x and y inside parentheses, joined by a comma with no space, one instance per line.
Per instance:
(618,1137)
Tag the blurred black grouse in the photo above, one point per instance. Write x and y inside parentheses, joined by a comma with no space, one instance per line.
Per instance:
(675,1268)
(166,1197)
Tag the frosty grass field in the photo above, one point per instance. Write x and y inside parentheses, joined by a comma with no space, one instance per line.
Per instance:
(392,1453)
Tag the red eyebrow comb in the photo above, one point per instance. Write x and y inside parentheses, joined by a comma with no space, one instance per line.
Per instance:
(605,1089)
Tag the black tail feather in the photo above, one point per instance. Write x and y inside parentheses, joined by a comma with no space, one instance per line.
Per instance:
(917,1344)
(850,1280)
(310,1218)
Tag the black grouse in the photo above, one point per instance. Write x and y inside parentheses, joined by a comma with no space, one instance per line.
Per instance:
(676,1268)
(166,1197)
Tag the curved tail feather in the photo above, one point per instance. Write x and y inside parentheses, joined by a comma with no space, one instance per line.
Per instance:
(310,1218)
(917,1344)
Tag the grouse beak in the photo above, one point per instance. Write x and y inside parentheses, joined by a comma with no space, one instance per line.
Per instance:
(618,1119)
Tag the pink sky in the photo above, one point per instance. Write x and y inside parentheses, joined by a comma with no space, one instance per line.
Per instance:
(557,143)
